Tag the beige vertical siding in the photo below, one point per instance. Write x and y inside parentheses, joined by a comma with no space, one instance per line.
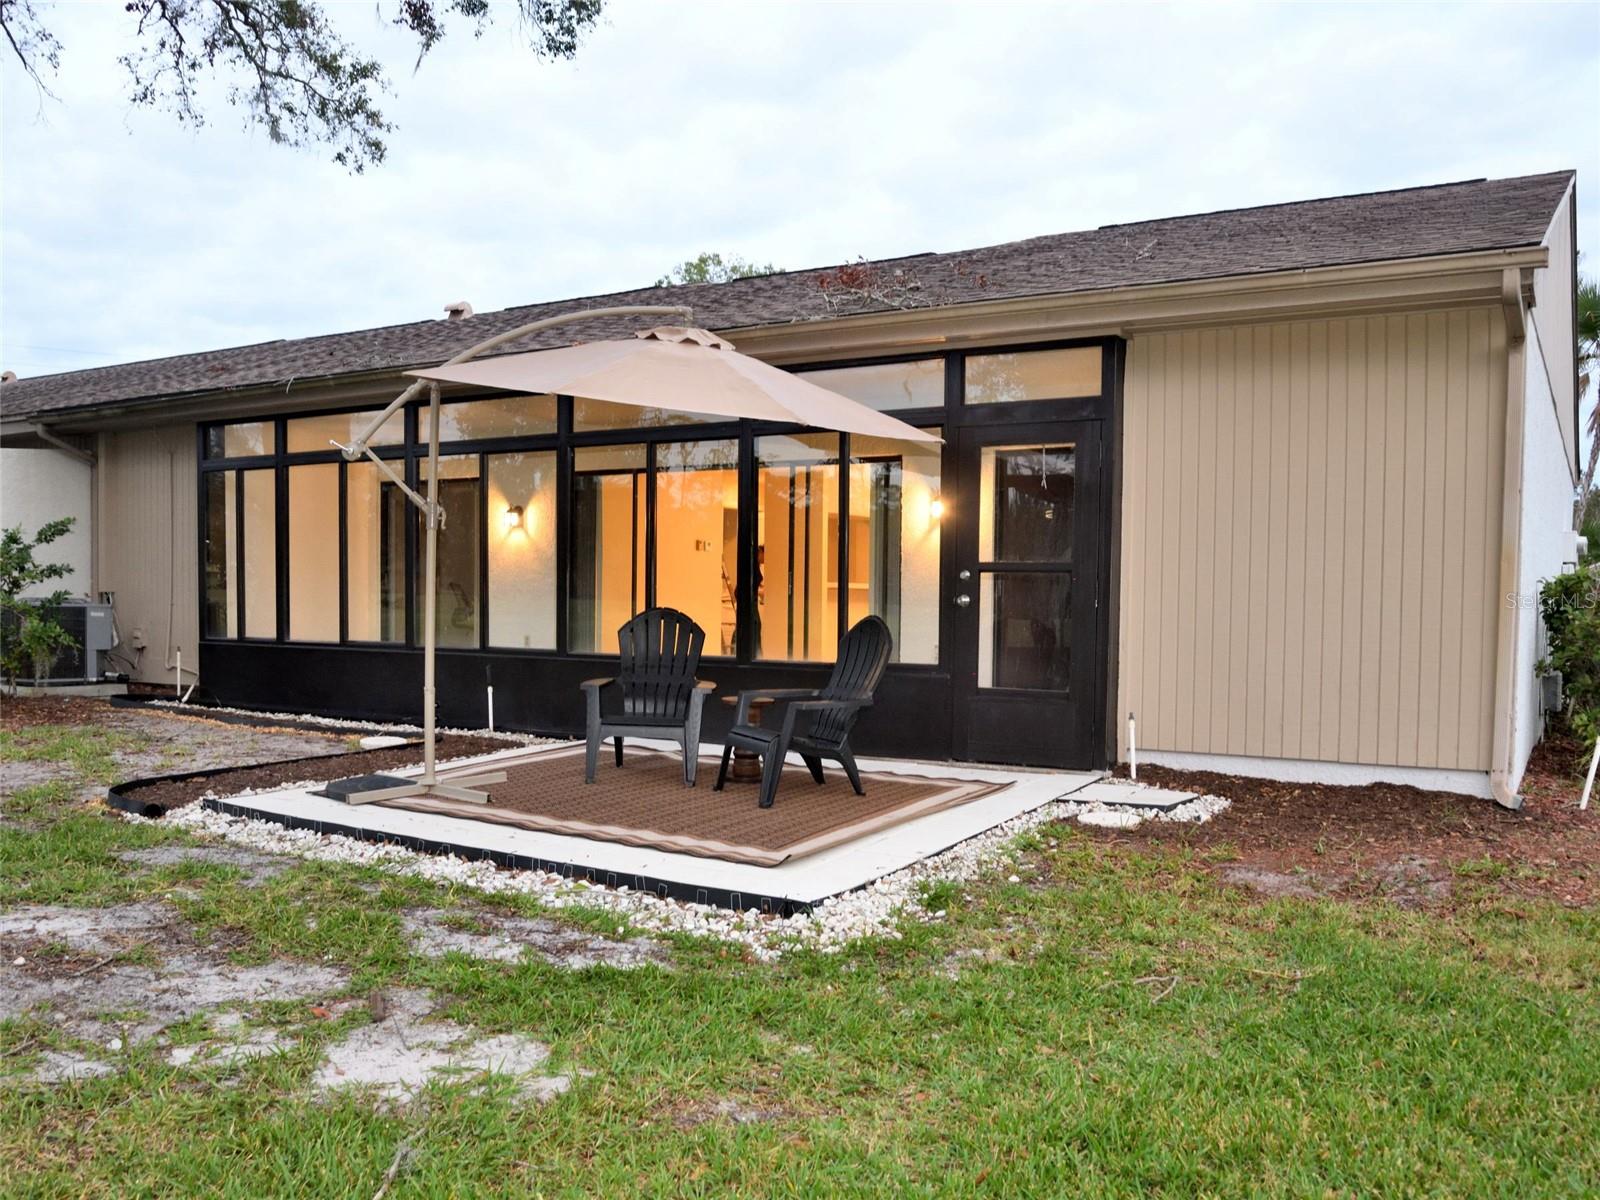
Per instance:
(1310,533)
(147,544)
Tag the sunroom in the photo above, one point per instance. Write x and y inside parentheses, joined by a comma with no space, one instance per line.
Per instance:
(988,556)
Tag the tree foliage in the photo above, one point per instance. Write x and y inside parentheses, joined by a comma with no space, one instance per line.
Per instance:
(1570,606)
(283,62)
(1588,304)
(711,267)
(28,637)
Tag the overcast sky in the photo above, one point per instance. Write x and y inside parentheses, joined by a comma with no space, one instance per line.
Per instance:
(800,134)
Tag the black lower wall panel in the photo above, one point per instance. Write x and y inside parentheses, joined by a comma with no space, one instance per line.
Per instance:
(536,693)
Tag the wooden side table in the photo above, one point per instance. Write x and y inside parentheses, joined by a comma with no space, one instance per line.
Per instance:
(746,765)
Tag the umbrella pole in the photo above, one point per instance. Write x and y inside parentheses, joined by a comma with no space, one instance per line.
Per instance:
(430,608)
(428,784)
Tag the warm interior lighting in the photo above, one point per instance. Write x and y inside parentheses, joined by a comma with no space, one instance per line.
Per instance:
(936,509)
(513,518)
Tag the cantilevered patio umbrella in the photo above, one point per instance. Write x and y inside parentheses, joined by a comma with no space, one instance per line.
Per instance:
(673,367)
(681,369)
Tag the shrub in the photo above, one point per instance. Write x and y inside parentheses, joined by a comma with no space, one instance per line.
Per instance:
(1570,606)
(29,639)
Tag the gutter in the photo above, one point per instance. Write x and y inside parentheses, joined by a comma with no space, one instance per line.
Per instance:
(1506,665)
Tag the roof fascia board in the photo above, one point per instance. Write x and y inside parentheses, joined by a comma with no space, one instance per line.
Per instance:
(1454,281)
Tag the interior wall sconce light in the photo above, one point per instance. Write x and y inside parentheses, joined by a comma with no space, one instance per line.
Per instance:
(936,508)
(512,519)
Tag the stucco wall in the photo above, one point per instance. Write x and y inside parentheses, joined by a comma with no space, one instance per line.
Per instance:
(148,546)
(1311,515)
(37,486)
(1545,524)
(1552,317)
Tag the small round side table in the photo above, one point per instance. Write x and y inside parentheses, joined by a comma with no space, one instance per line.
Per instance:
(746,766)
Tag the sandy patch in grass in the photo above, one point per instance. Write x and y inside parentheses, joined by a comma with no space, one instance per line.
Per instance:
(394,1058)
(257,868)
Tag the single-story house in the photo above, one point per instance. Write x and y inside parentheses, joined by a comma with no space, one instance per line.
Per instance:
(1277,483)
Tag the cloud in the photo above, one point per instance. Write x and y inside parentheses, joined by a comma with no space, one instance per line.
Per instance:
(788,133)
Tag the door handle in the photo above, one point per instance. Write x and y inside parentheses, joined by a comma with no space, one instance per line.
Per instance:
(962,600)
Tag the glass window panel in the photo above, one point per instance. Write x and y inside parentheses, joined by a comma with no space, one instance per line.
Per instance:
(309,434)
(894,542)
(240,441)
(697,535)
(797,547)
(522,550)
(1033,375)
(1025,503)
(221,555)
(260,554)
(375,557)
(1024,630)
(608,522)
(457,615)
(502,416)
(313,553)
(886,386)
(601,414)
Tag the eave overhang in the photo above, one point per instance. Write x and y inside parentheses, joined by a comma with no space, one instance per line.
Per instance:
(1448,281)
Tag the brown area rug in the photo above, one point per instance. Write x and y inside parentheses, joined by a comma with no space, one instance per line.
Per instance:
(644,803)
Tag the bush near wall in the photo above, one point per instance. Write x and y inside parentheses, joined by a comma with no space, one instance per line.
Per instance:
(1570,606)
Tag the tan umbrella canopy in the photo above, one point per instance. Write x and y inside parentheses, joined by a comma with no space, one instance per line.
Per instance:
(681,369)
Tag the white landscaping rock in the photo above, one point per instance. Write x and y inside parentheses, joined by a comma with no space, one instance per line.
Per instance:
(875,910)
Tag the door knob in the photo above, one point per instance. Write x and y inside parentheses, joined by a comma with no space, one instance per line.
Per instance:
(963,600)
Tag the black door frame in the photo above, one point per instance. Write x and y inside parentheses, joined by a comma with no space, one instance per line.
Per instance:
(1050,729)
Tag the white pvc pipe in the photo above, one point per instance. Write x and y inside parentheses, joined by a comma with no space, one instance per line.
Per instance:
(490,690)
(177,677)
(1133,751)
(1588,784)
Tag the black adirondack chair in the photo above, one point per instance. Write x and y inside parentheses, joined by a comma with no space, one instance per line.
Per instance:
(661,698)
(863,653)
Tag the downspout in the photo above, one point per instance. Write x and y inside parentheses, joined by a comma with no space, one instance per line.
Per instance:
(1505,698)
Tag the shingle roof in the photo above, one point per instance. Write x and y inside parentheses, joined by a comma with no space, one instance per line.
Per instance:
(1412,223)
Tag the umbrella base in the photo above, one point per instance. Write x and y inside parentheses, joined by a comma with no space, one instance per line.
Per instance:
(370,789)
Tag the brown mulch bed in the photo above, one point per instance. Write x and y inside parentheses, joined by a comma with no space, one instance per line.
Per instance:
(1411,846)
(24,712)
(177,793)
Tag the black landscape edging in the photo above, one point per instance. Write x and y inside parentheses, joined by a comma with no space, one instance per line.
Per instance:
(118,794)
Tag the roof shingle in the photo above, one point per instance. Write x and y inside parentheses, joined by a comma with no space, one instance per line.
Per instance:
(1412,223)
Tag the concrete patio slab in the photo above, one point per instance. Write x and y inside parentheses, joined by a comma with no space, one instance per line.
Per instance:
(793,886)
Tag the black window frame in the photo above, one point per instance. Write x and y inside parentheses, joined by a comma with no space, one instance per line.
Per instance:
(952,414)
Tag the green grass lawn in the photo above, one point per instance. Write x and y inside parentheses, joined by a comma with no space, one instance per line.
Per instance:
(1117,1024)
